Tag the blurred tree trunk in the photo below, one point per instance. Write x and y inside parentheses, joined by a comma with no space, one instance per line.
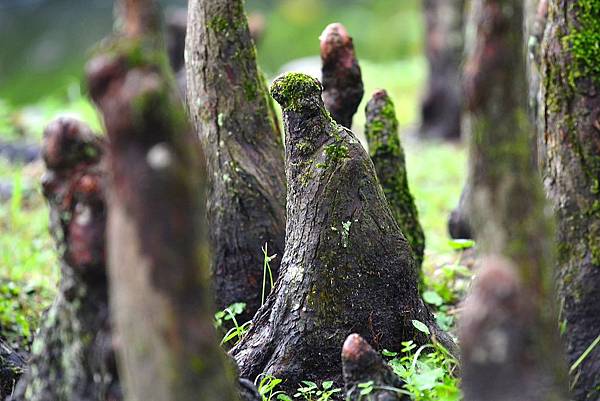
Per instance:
(229,105)
(340,74)
(346,268)
(385,149)
(158,254)
(441,109)
(508,331)
(72,355)
(571,143)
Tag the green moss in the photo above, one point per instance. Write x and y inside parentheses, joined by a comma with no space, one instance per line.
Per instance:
(289,89)
(218,24)
(250,89)
(583,42)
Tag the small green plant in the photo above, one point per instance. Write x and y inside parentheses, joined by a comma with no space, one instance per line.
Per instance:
(310,391)
(266,385)
(266,269)
(238,331)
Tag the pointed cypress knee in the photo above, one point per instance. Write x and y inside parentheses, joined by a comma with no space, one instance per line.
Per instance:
(229,106)
(362,364)
(346,268)
(342,80)
(385,149)
(158,253)
(73,356)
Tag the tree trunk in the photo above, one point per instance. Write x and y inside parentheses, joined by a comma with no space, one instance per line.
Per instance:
(441,109)
(346,268)
(158,255)
(571,141)
(229,106)
(362,364)
(386,152)
(509,329)
(12,365)
(73,356)
(342,80)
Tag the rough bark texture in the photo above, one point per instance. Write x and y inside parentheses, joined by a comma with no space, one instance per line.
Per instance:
(340,73)
(381,130)
(571,143)
(12,365)
(73,357)
(362,364)
(158,256)
(229,105)
(347,267)
(441,109)
(509,219)
(536,13)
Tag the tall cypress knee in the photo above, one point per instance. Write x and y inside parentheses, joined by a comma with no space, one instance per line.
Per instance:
(342,80)
(229,105)
(73,356)
(158,253)
(381,130)
(362,364)
(346,268)
(509,328)
(570,147)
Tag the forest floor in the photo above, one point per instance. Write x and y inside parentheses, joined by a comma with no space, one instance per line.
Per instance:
(28,259)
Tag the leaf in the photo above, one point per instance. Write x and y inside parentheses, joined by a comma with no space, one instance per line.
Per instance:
(327,385)
(433,298)
(283,397)
(421,327)
(460,244)
(385,352)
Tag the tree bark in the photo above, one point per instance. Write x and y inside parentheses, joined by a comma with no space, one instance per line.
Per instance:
(509,329)
(571,166)
(12,365)
(362,364)
(441,109)
(158,255)
(346,268)
(73,355)
(342,80)
(385,149)
(229,106)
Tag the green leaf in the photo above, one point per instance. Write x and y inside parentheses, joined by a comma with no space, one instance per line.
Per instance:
(460,244)
(327,385)
(385,352)
(421,327)
(433,298)
(283,397)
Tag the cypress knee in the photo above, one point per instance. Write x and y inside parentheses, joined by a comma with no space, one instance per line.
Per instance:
(385,149)
(158,253)
(342,80)
(12,365)
(73,356)
(510,331)
(229,106)
(570,148)
(362,364)
(346,268)
(441,109)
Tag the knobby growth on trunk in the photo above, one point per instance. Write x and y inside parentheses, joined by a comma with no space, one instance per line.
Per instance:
(158,254)
(381,130)
(342,80)
(362,364)
(509,328)
(73,356)
(347,267)
(230,108)
(12,365)
(571,168)
(441,109)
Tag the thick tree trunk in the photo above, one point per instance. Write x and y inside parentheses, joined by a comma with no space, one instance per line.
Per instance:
(571,141)
(12,365)
(229,105)
(346,268)
(73,356)
(509,329)
(362,364)
(442,106)
(158,255)
(342,80)
(381,130)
